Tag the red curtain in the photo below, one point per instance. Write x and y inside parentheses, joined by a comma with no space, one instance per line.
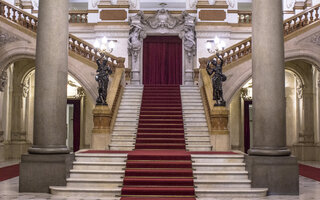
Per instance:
(247,125)
(76,123)
(162,60)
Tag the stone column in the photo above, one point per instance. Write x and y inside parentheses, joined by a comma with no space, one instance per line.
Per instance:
(49,158)
(269,161)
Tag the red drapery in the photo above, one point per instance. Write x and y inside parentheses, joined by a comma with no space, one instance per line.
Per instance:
(76,123)
(247,125)
(162,60)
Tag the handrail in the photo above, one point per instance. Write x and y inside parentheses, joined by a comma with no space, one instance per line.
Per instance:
(76,45)
(243,48)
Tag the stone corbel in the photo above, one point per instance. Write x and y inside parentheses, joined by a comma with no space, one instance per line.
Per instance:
(3,80)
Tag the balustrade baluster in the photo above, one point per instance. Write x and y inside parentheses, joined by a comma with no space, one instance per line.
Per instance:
(311,16)
(9,13)
(306,21)
(1,9)
(317,13)
(14,15)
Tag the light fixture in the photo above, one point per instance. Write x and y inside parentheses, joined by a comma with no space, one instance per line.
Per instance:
(216,45)
(105,45)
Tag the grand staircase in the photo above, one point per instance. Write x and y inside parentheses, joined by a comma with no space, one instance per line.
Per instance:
(165,126)
(195,123)
(125,129)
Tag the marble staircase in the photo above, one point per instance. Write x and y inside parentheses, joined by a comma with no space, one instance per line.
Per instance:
(94,175)
(222,175)
(125,129)
(195,123)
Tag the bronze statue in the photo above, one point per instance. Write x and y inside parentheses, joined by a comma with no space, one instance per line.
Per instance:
(102,77)
(217,80)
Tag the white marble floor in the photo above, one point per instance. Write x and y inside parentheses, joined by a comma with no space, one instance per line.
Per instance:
(309,190)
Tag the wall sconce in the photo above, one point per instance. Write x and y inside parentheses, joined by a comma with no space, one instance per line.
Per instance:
(213,46)
(105,45)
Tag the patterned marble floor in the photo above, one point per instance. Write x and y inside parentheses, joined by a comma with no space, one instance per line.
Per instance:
(309,190)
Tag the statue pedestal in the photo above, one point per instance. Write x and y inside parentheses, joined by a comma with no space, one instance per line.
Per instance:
(219,135)
(101,130)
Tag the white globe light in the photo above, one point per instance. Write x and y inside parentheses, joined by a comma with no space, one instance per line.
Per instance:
(104,40)
(111,44)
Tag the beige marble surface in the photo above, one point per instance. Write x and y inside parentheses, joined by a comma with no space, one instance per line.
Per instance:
(309,190)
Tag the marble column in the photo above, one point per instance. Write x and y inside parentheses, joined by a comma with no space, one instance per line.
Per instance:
(269,161)
(51,78)
(48,161)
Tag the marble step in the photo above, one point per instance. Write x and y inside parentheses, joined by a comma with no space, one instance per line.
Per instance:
(128,99)
(199,142)
(192,107)
(99,165)
(92,157)
(127,119)
(187,104)
(193,100)
(199,147)
(197,134)
(195,124)
(94,183)
(126,123)
(128,115)
(125,136)
(219,166)
(196,128)
(194,119)
(192,111)
(210,194)
(195,131)
(122,143)
(197,138)
(86,192)
(125,112)
(126,128)
(121,147)
(131,97)
(126,107)
(218,158)
(221,175)
(223,184)
(96,174)
(124,132)
(129,103)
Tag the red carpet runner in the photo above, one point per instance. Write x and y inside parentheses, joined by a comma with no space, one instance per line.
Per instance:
(159,168)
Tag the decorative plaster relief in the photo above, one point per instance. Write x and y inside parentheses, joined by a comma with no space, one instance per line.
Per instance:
(188,35)
(133,3)
(136,34)
(290,3)
(315,38)
(35,4)
(3,80)
(231,3)
(212,2)
(163,19)
(95,3)
(193,3)
(7,38)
